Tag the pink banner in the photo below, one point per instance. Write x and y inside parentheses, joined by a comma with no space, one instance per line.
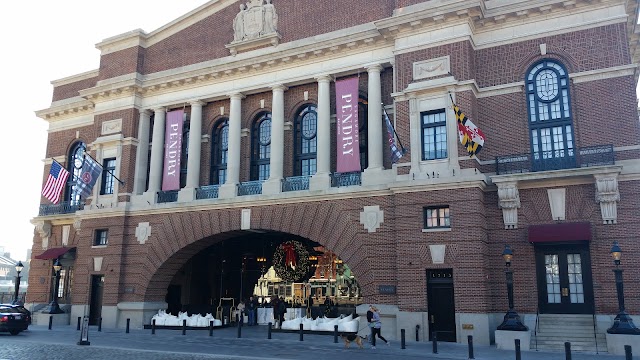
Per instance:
(348,152)
(172,151)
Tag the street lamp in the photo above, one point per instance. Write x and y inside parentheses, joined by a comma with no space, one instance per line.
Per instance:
(511,318)
(622,324)
(53,307)
(19,267)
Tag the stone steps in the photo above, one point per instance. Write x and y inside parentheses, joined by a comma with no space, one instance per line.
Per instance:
(554,330)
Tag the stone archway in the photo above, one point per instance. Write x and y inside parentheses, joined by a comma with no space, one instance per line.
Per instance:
(325,223)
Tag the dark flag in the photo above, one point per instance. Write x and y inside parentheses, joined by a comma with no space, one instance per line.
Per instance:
(396,153)
(90,173)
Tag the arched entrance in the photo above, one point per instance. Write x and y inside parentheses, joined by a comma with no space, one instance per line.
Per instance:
(215,272)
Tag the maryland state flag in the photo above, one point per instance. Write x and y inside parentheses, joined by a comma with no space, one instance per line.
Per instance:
(470,136)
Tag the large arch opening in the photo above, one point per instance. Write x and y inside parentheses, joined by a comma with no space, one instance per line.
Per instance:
(214,273)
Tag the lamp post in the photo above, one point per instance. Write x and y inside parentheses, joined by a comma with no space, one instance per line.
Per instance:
(53,307)
(19,267)
(622,324)
(511,318)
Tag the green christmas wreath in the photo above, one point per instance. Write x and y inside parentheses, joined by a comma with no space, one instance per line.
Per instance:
(291,261)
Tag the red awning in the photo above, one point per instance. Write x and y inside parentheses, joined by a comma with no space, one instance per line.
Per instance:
(560,232)
(54,253)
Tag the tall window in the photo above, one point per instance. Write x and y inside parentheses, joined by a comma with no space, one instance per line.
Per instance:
(74,163)
(219,152)
(261,147)
(184,158)
(108,168)
(363,122)
(550,122)
(434,135)
(306,126)
(436,217)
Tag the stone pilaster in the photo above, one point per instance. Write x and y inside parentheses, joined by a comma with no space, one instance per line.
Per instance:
(509,202)
(608,195)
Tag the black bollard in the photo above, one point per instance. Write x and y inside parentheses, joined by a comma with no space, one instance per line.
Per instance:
(434,340)
(99,324)
(627,352)
(50,321)
(210,328)
(79,319)
(184,327)
(470,342)
(239,329)
(567,350)
(153,327)
(417,332)
(128,323)
(269,330)
(335,334)
(518,355)
(301,332)
(402,343)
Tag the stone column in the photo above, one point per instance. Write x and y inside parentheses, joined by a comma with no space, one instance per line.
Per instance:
(276,162)
(321,179)
(375,118)
(193,160)
(157,152)
(142,153)
(229,189)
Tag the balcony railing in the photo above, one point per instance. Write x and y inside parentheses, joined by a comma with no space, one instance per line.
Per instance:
(250,188)
(65,207)
(556,160)
(167,196)
(346,179)
(207,192)
(295,183)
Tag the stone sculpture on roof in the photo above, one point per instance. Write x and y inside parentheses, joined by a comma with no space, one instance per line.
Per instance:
(257,18)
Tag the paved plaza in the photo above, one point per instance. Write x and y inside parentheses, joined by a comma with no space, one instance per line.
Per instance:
(115,344)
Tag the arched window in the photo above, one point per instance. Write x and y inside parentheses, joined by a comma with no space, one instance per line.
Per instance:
(363,121)
(261,147)
(219,152)
(306,141)
(74,165)
(550,119)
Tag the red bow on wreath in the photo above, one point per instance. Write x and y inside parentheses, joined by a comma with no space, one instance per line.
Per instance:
(290,255)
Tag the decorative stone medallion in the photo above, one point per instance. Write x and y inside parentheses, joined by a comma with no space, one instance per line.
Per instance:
(143,231)
(371,217)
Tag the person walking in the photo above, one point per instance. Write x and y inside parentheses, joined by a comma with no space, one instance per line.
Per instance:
(377,328)
(370,323)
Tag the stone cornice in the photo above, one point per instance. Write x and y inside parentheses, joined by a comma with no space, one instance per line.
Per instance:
(75,78)
(78,106)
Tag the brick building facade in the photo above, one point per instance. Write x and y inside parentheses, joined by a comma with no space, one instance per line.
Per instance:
(550,83)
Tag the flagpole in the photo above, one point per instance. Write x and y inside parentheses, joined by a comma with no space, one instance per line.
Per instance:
(394,130)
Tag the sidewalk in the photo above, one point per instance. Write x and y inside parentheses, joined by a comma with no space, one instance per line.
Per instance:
(255,345)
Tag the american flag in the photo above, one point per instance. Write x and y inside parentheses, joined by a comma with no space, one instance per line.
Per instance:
(55,182)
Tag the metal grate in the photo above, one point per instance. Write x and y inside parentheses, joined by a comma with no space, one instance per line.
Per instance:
(295,183)
(207,192)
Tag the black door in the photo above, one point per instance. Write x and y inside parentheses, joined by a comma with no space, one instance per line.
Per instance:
(441,307)
(564,279)
(95,307)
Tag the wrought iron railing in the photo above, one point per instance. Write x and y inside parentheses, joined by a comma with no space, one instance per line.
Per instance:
(207,192)
(167,196)
(346,179)
(65,207)
(556,160)
(250,188)
(295,183)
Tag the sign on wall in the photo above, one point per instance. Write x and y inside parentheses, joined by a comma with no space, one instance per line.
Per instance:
(172,150)
(348,151)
